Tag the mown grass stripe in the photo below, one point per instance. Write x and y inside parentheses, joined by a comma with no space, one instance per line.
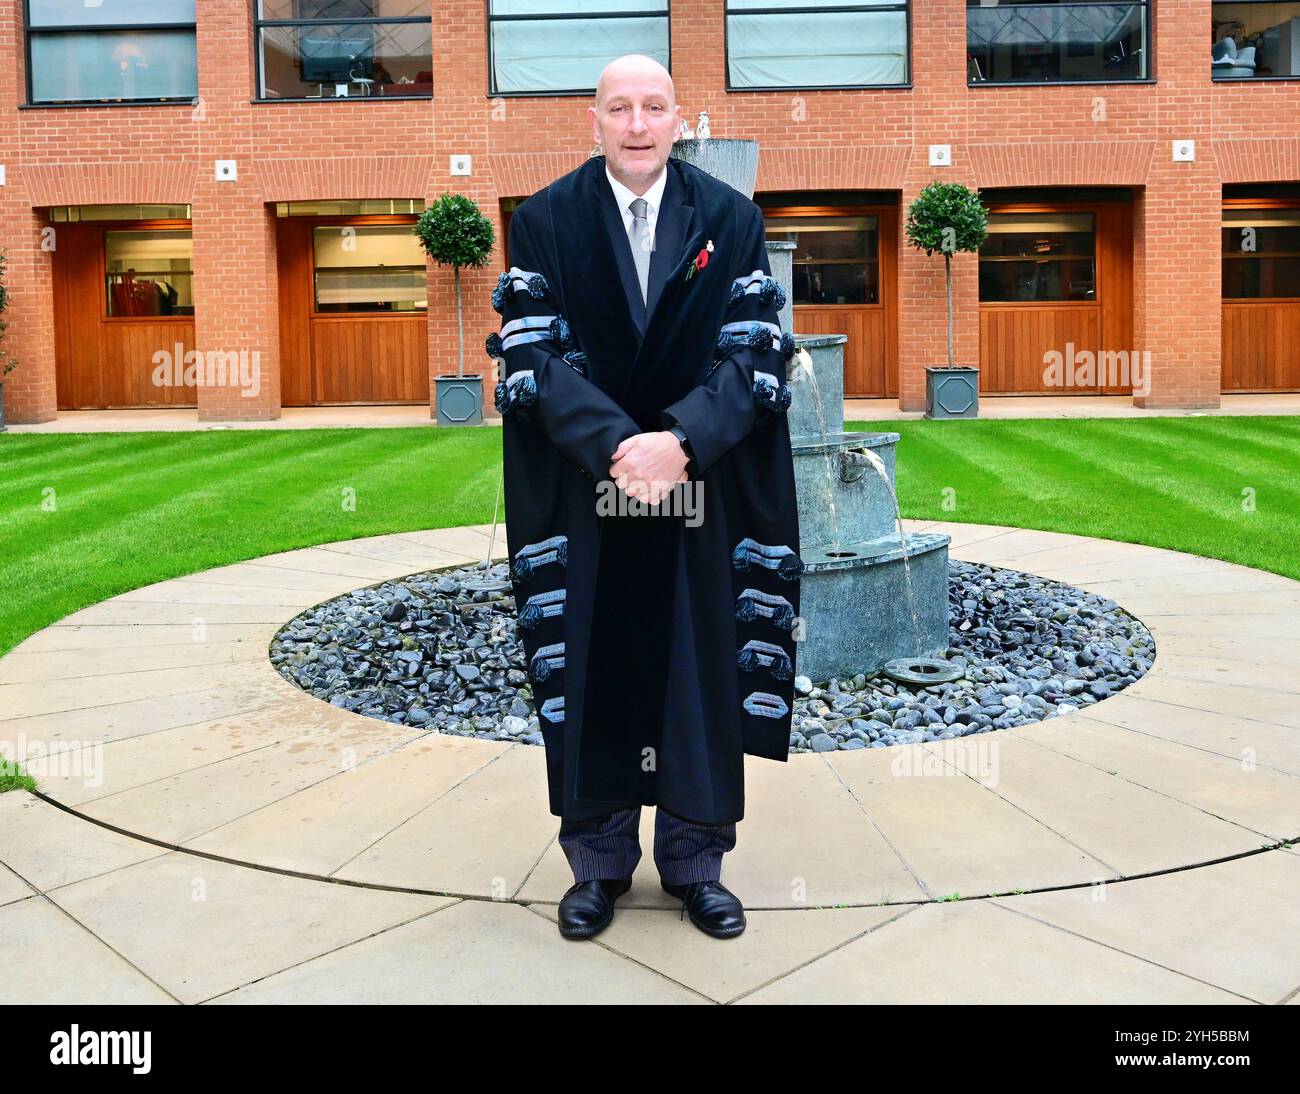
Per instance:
(136,508)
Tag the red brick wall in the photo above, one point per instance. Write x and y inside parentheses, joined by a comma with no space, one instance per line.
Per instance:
(1041,136)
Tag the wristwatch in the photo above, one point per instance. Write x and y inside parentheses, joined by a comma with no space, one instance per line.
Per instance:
(678,432)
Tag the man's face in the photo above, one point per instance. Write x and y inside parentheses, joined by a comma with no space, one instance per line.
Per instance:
(636,124)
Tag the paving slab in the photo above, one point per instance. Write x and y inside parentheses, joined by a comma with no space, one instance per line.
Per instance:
(319,561)
(55,960)
(12,887)
(1250,803)
(773,945)
(443,848)
(59,665)
(47,846)
(1231,924)
(199,927)
(416,556)
(137,717)
(340,819)
(1279,708)
(981,952)
(775,863)
(90,639)
(61,696)
(198,593)
(178,808)
(919,803)
(473,951)
(140,762)
(1103,808)
(1243,740)
(116,612)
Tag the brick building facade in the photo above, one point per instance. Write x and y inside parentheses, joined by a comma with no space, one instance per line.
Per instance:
(1037,147)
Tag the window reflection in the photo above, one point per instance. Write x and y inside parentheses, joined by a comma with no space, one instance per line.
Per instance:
(1039,256)
(1250,41)
(149,272)
(836,259)
(314,49)
(112,51)
(1055,41)
(562,45)
(816,43)
(1261,254)
(368,268)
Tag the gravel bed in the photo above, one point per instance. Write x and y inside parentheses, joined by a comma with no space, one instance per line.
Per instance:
(427,651)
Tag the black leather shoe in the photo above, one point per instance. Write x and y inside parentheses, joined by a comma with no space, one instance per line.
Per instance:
(588,906)
(712,906)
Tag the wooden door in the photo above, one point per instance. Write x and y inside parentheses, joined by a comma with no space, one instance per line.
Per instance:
(1017,336)
(1261,296)
(871,353)
(111,361)
(343,357)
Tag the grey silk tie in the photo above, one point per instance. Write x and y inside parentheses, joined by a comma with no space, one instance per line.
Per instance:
(639,234)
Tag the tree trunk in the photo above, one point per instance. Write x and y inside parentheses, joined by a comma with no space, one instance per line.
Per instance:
(947,270)
(460,329)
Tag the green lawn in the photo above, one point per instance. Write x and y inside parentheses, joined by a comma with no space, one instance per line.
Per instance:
(13,777)
(86,516)
(1225,487)
(129,509)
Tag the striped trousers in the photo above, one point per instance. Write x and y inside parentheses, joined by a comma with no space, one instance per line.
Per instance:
(609,846)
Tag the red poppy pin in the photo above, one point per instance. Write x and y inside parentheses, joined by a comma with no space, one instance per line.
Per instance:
(701,260)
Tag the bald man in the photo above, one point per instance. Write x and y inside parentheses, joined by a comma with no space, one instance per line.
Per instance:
(650,495)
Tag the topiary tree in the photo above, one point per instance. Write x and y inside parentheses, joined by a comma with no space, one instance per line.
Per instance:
(947,217)
(453,232)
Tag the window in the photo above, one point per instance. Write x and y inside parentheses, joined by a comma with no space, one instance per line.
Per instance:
(1012,42)
(368,268)
(1039,257)
(778,44)
(111,51)
(553,46)
(149,272)
(1261,254)
(1254,41)
(71,214)
(349,207)
(835,260)
(344,49)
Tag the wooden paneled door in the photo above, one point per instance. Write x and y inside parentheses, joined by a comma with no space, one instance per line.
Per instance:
(333,357)
(1261,295)
(112,361)
(1016,336)
(871,353)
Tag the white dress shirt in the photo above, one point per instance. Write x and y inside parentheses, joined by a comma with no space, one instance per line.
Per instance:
(624,197)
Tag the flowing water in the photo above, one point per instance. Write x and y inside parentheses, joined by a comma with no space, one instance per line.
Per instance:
(804,371)
(879,465)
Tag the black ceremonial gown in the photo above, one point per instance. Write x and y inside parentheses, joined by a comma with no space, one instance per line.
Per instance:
(661,649)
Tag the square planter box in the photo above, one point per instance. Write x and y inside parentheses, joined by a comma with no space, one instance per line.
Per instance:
(459,399)
(952,392)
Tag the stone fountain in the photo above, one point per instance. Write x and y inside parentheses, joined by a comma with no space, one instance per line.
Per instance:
(871,596)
